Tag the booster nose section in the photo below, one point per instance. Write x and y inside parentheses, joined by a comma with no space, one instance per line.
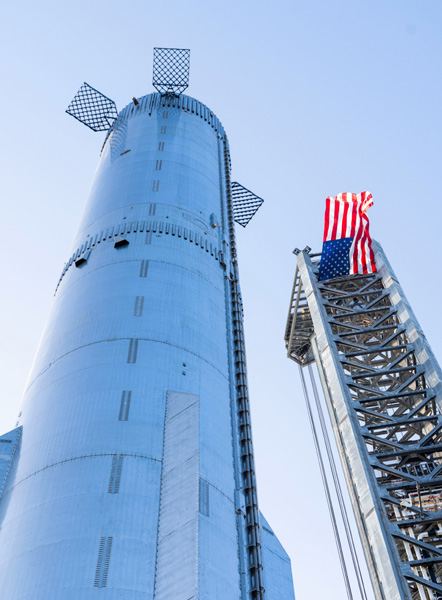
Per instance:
(132,470)
(161,152)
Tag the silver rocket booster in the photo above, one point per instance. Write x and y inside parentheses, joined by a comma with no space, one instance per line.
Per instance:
(131,472)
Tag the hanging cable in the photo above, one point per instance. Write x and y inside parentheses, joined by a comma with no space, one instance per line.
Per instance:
(338,488)
(326,487)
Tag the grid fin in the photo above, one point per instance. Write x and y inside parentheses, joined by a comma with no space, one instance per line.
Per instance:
(171,70)
(93,109)
(245,204)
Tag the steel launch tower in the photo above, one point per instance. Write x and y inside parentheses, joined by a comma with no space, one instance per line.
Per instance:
(383,389)
(131,472)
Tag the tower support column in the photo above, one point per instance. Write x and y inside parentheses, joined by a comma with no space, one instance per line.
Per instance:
(382,385)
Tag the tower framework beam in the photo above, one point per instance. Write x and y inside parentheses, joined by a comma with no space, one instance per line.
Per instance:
(383,388)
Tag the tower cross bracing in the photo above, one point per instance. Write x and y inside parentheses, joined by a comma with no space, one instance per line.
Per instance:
(383,390)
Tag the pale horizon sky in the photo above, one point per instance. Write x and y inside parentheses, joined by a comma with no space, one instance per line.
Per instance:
(317,98)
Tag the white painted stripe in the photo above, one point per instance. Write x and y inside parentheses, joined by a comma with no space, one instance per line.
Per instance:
(351,211)
(354,248)
(339,232)
(331,218)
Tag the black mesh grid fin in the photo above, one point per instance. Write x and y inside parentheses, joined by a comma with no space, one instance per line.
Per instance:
(170,70)
(92,108)
(245,204)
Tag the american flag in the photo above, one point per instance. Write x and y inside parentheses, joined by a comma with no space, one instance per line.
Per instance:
(347,243)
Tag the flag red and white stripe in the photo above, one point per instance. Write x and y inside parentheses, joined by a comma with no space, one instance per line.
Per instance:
(345,217)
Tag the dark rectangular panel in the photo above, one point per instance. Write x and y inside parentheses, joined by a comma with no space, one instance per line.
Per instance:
(144,267)
(138,309)
(125,405)
(133,349)
(204,498)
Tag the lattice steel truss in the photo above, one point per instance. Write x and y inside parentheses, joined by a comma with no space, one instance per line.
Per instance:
(245,204)
(92,108)
(171,70)
(383,387)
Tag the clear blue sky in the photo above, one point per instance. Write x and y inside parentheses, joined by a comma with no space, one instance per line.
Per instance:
(317,97)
